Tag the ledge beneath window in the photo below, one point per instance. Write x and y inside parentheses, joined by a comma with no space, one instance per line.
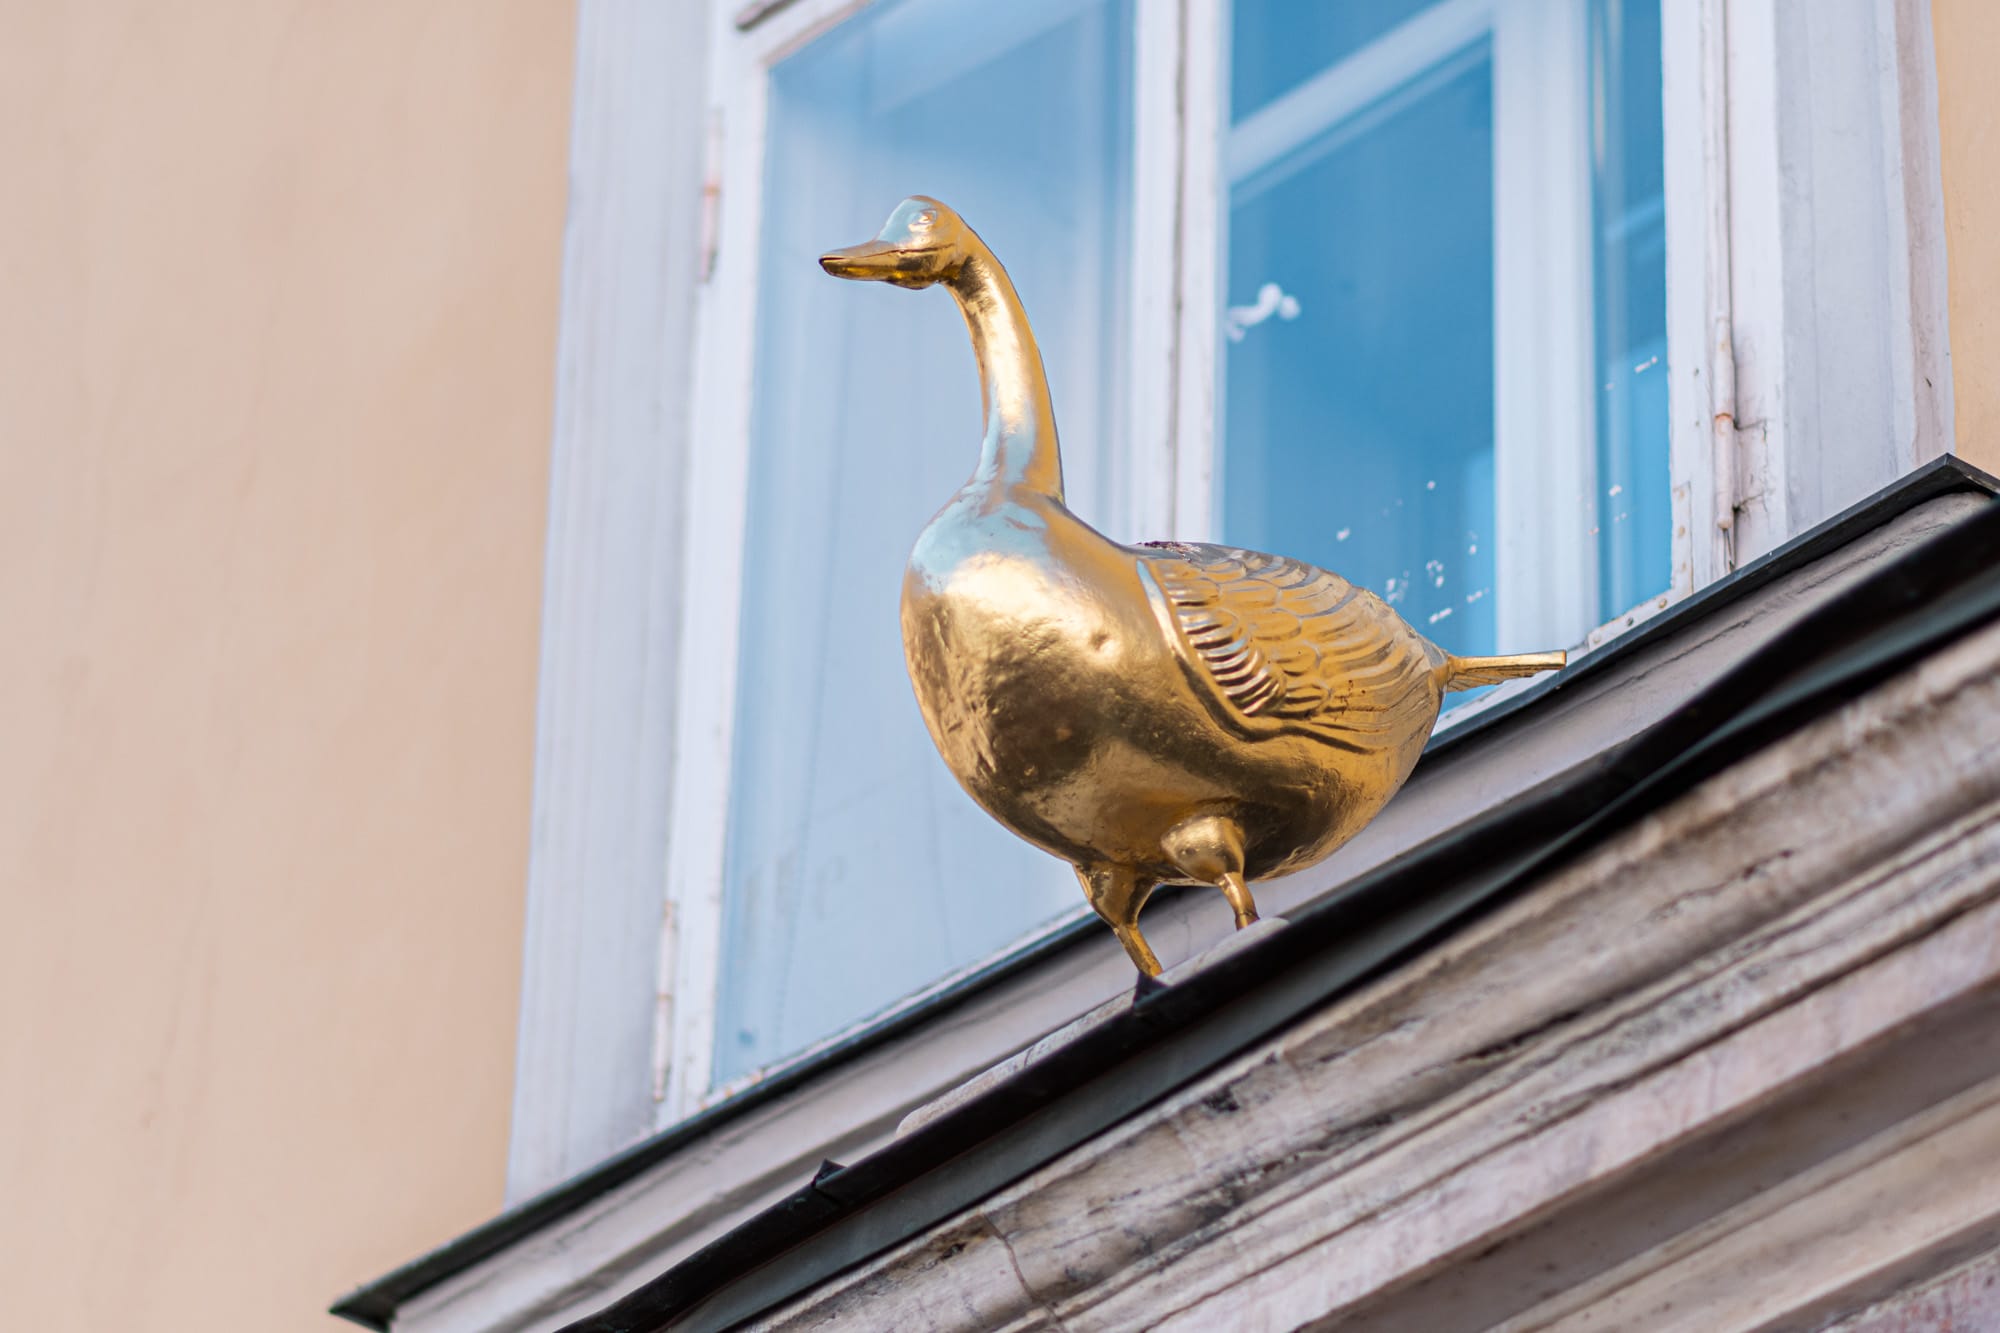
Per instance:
(1655,1090)
(679,1203)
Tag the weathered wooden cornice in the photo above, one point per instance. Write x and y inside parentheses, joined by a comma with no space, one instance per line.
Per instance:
(1658,1092)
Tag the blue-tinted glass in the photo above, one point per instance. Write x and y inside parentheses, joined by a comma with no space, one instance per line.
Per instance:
(1635,501)
(1358,387)
(1359,422)
(856,869)
(1279,44)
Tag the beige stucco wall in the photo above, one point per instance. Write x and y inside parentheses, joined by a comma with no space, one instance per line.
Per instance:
(278,295)
(1967,33)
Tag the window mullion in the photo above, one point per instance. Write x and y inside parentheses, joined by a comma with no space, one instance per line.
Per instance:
(1142,502)
(710,596)
(1701,359)
(1544,355)
(1836,252)
(1204,225)
(1764,373)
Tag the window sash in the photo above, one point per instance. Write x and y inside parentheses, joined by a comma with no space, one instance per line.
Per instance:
(744,49)
(1543,303)
(740,64)
(1542,268)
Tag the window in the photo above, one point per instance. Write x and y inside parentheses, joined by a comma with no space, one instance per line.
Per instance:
(1382,286)
(1805,366)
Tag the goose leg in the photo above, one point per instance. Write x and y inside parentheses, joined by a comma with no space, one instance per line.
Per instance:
(1240,902)
(1209,850)
(1137,949)
(1116,893)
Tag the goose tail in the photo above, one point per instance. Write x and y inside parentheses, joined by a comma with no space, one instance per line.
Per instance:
(1464,673)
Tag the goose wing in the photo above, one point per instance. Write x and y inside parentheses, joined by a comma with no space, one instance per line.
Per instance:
(1284,645)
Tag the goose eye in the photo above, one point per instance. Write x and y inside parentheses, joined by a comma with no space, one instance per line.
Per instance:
(923,220)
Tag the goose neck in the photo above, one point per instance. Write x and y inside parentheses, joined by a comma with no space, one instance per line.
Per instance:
(1020,447)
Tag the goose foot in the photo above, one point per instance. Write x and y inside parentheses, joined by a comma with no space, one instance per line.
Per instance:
(1240,902)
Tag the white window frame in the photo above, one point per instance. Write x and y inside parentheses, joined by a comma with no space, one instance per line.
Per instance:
(741,57)
(1760,165)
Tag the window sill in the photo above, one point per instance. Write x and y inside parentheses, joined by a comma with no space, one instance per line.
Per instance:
(629,1218)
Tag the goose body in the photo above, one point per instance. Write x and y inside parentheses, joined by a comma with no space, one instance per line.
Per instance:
(1152,714)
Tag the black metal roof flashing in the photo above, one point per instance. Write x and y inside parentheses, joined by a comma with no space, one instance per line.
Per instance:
(1861,635)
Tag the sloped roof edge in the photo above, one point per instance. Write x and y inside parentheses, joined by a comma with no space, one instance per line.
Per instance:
(1896,615)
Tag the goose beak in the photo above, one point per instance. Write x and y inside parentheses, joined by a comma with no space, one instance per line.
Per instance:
(872,259)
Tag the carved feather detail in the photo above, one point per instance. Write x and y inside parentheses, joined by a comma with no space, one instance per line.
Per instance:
(1286,644)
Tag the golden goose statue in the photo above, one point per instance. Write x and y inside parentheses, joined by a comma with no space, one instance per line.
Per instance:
(1165,713)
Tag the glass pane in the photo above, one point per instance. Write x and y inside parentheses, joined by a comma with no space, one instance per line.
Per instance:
(1635,484)
(1359,421)
(1359,329)
(857,871)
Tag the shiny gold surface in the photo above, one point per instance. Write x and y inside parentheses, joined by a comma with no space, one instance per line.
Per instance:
(1164,713)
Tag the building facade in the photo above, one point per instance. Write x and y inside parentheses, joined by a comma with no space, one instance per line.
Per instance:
(464,771)
(281,292)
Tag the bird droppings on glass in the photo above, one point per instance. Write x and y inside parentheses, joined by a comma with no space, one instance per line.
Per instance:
(1271,300)
(1646,365)
(1475,595)
(1439,614)
(1616,490)
(1343,534)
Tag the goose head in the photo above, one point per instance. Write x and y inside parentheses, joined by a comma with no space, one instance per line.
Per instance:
(922,242)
